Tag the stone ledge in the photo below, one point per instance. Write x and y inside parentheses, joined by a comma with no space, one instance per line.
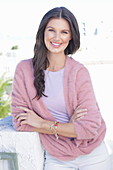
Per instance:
(27,145)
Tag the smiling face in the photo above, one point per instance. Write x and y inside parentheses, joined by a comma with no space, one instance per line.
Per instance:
(57,36)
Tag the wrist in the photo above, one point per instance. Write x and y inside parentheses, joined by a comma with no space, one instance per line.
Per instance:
(46,124)
(43,124)
(44,127)
(40,125)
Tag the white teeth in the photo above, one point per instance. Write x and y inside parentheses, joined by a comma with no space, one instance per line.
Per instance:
(55,44)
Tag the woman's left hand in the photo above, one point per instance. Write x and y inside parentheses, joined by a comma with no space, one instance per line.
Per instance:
(78,114)
(29,117)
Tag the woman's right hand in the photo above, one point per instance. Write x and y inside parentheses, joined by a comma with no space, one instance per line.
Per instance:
(78,114)
(27,116)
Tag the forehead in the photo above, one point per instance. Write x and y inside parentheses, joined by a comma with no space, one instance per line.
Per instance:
(58,23)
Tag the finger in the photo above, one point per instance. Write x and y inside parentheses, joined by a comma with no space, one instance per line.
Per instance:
(78,107)
(80,111)
(80,118)
(79,115)
(23,122)
(23,108)
(21,119)
(21,114)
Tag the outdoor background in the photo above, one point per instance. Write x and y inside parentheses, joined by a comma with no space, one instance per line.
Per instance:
(19,21)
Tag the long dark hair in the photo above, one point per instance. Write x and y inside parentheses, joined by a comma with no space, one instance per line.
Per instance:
(40,61)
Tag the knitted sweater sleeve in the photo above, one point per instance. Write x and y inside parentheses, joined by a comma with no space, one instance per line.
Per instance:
(87,128)
(19,96)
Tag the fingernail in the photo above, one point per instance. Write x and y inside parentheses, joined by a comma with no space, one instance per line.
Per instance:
(80,118)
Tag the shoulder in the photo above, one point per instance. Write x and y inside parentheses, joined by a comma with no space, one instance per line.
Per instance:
(24,65)
(75,66)
(77,71)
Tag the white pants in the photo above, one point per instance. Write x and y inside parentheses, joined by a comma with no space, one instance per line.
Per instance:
(98,159)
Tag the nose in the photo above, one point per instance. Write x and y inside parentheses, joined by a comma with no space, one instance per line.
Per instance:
(57,36)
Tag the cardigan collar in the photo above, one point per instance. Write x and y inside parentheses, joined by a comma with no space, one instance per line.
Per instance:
(40,107)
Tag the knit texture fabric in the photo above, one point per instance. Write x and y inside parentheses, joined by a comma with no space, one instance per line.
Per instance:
(78,90)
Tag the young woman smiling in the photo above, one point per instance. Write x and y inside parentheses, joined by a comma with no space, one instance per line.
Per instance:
(53,95)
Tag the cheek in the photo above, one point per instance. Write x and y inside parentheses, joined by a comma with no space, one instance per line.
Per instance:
(66,39)
(47,36)
(47,39)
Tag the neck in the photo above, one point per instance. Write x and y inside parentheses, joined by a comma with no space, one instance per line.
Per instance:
(56,62)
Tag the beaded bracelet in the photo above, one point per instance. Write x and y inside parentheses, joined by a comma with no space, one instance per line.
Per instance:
(55,125)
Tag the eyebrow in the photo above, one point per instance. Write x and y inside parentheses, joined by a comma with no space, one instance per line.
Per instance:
(54,28)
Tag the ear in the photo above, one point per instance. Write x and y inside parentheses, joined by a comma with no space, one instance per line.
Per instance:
(70,38)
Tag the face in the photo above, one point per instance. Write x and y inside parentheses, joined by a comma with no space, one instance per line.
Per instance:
(57,35)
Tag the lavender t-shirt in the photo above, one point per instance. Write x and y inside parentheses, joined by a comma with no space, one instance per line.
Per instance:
(55,101)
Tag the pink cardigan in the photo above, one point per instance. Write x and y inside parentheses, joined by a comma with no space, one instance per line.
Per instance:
(78,90)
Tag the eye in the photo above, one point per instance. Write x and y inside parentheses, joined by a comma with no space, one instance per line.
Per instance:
(64,32)
(51,30)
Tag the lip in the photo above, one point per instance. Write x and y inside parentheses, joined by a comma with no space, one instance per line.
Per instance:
(55,44)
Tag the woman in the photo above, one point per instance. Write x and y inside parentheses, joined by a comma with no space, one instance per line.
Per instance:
(53,95)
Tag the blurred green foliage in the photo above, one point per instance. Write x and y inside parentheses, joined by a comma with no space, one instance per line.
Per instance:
(14,47)
(5,97)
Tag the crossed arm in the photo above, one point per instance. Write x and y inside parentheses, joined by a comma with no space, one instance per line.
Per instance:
(43,126)
(28,120)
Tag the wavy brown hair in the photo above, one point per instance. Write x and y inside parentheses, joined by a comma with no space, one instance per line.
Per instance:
(40,61)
